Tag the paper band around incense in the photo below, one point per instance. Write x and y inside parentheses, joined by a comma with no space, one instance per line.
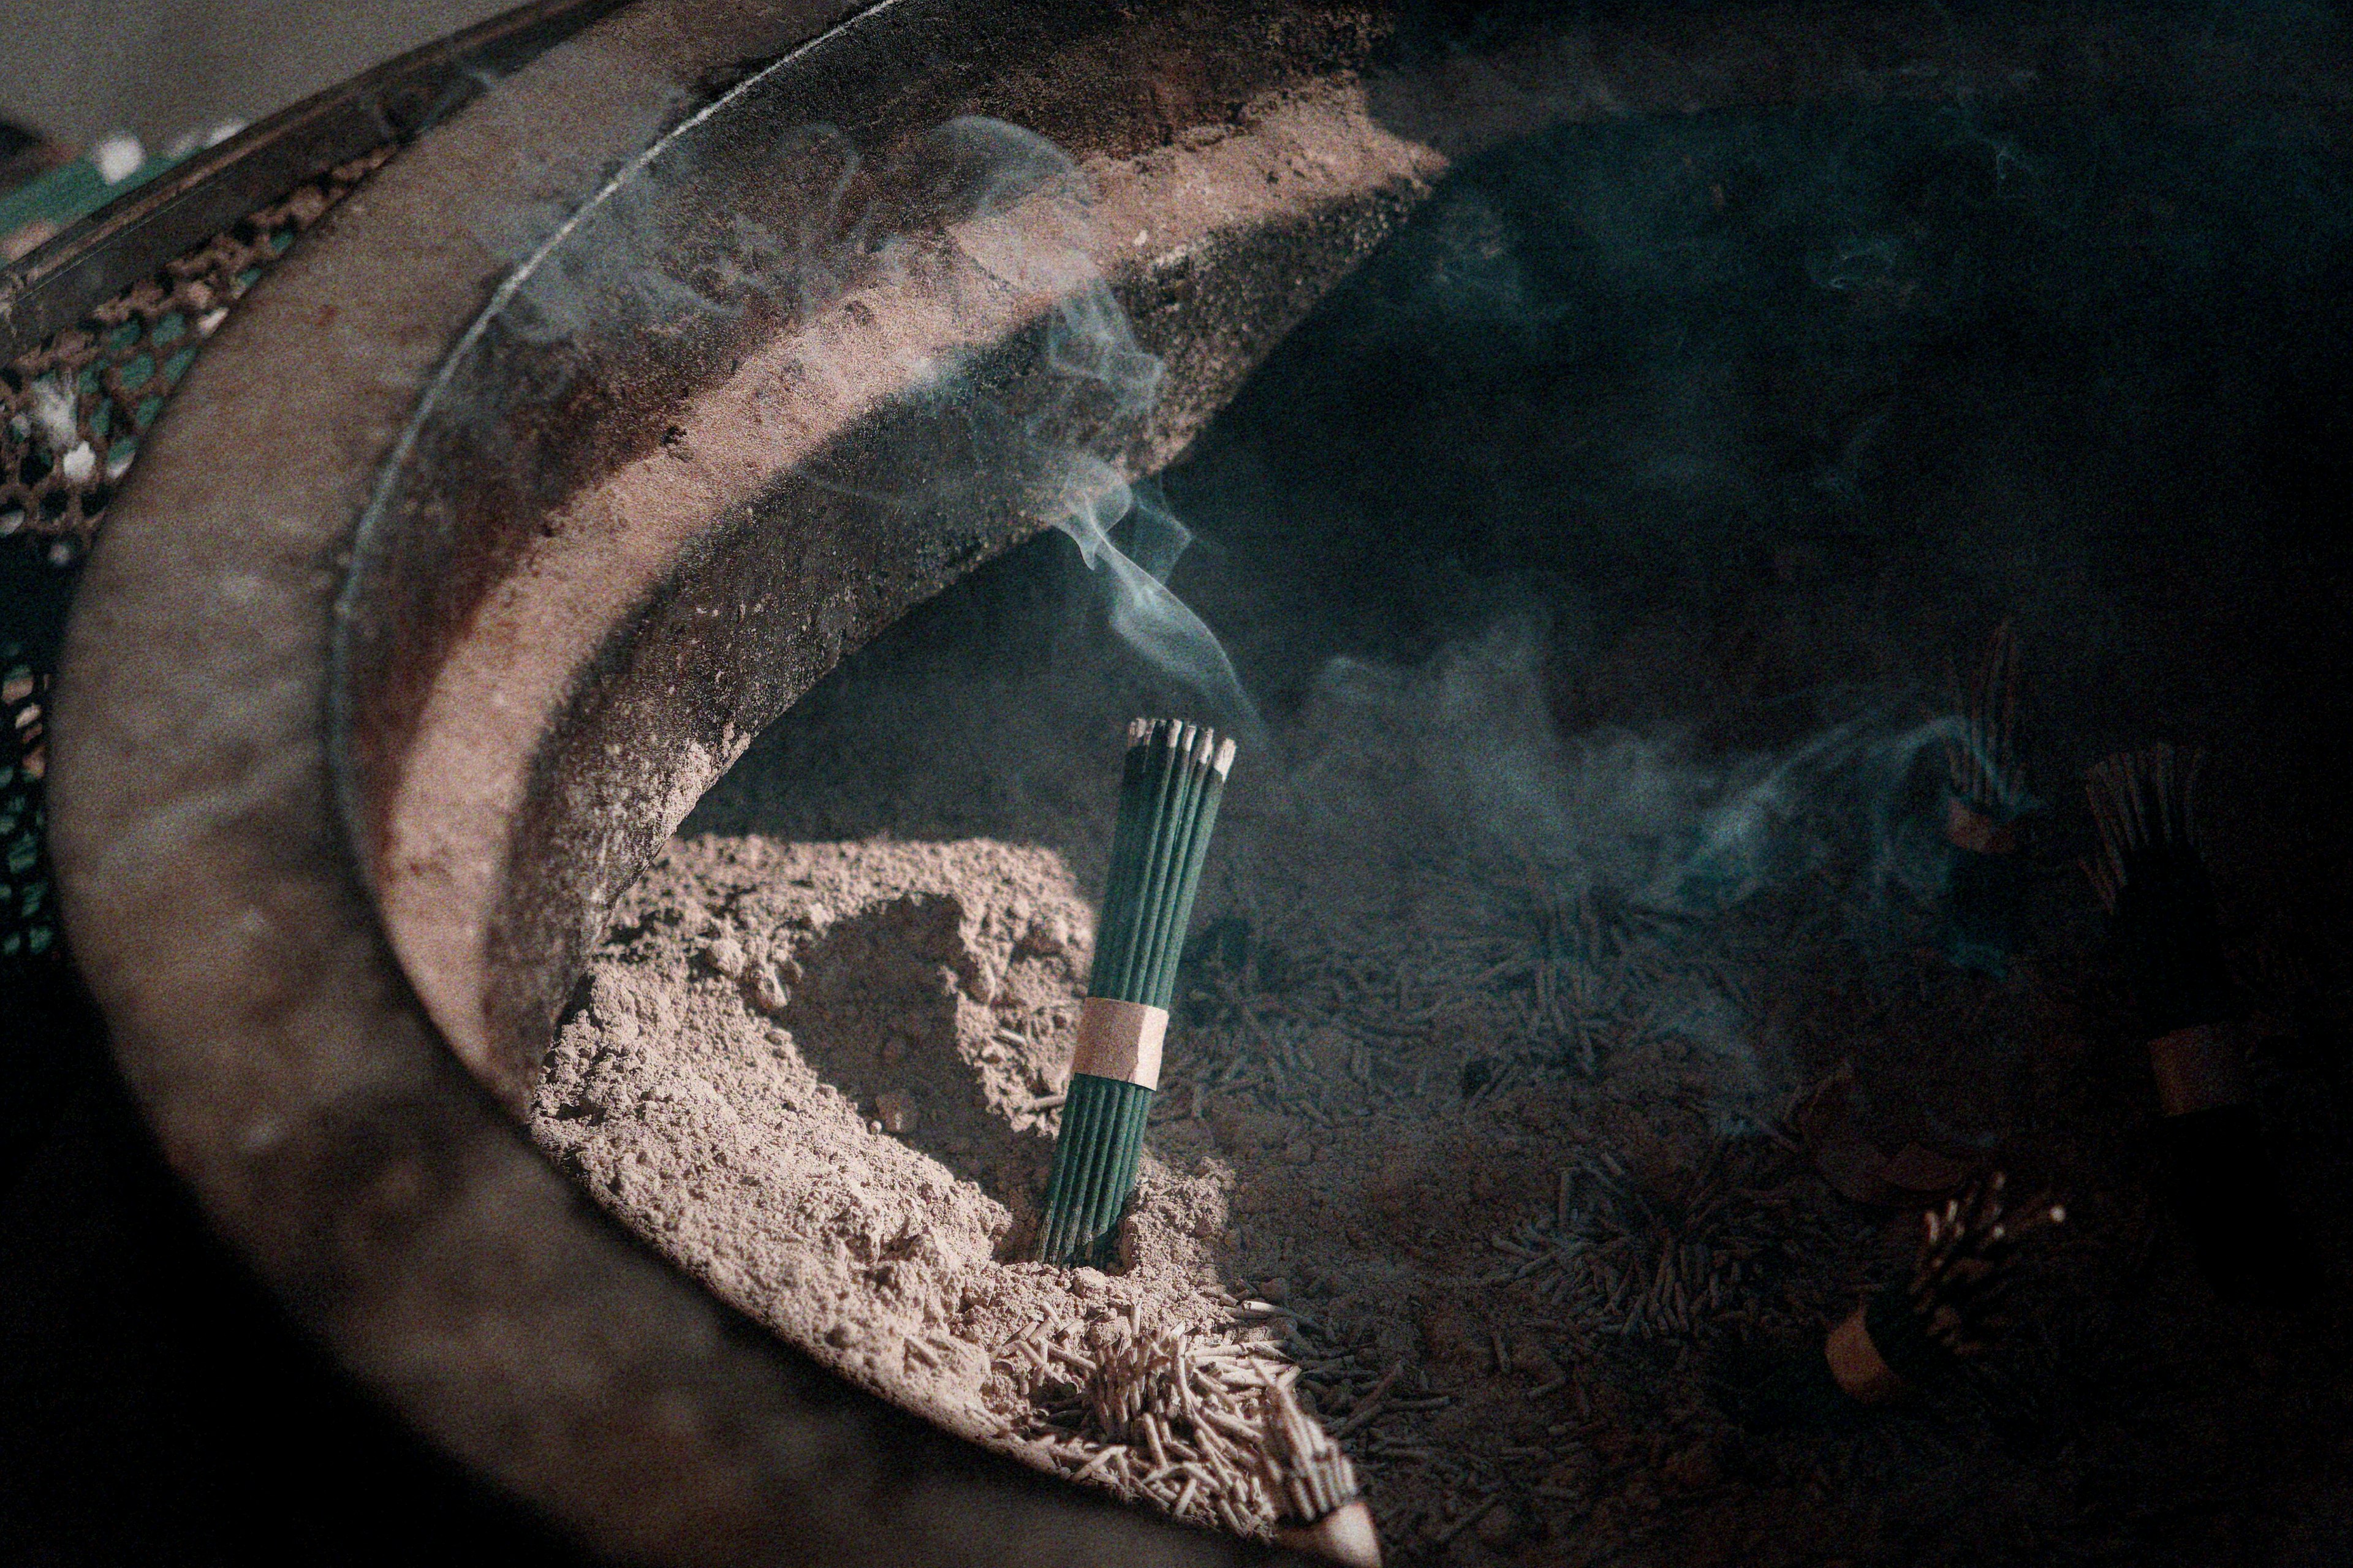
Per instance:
(1862,1372)
(1344,1535)
(1120,1040)
(2197,1070)
(1971,830)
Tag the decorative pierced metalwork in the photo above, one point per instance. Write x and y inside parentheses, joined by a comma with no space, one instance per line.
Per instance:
(72,413)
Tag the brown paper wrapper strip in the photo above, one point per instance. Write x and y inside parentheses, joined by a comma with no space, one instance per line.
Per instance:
(1855,1362)
(2197,1069)
(1120,1040)
(1971,830)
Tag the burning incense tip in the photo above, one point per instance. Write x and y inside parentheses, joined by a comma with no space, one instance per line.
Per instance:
(1960,1287)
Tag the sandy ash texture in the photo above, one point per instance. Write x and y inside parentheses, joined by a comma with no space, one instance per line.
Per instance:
(1499,1168)
(1570,1014)
(824,1078)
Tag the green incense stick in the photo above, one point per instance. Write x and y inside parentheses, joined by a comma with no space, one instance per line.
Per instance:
(1170,783)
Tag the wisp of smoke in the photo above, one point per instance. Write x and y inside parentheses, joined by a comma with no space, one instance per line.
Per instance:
(1640,816)
(990,222)
(1022,212)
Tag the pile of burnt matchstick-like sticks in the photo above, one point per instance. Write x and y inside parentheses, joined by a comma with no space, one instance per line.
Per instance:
(1210,1431)
(1319,1507)
(1170,785)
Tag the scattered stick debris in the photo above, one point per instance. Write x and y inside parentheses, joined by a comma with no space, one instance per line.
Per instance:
(1497,1174)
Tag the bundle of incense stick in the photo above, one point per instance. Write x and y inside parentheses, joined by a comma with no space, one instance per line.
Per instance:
(1954,1306)
(2151,874)
(1983,758)
(1982,809)
(1170,788)
(1319,1507)
(1902,1337)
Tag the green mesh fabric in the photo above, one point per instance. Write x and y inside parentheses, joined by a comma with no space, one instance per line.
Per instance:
(72,412)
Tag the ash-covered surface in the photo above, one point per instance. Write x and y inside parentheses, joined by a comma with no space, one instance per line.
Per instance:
(1596,560)
(816,1074)
(1513,1159)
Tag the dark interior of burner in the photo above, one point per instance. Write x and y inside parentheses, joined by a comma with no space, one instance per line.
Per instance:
(1612,537)
(1765,418)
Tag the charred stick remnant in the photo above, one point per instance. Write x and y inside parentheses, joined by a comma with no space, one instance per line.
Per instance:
(1170,785)
(1319,1507)
(2150,873)
(1987,799)
(1900,1338)
(1138,1376)
(1953,1307)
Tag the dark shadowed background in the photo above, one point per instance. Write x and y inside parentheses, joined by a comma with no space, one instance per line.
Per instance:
(156,1405)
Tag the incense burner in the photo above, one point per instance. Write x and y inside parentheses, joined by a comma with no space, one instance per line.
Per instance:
(476,546)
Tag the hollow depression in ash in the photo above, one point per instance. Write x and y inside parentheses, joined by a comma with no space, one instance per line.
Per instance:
(1597,558)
